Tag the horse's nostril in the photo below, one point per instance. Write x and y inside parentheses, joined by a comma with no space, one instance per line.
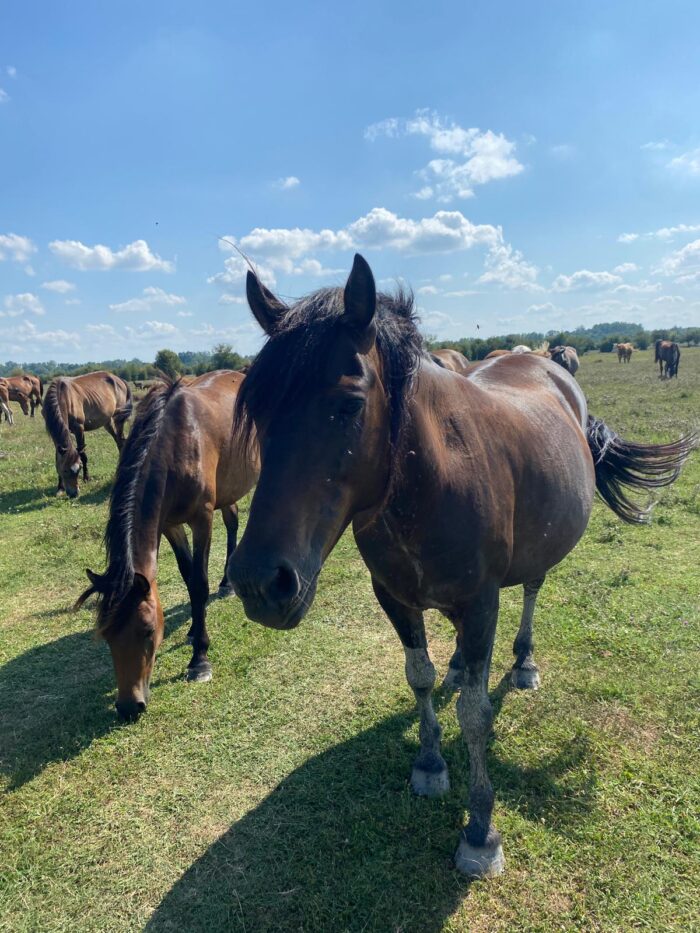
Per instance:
(286,582)
(130,710)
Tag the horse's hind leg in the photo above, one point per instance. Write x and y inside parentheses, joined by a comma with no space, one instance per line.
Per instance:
(455,672)
(181,549)
(429,777)
(199,668)
(115,430)
(525,675)
(229,513)
(479,854)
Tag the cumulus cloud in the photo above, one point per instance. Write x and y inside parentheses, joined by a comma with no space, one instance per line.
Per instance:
(151,298)
(103,330)
(235,271)
(184,314)
(627,237)
(641,288)
(687,162)
(152,330)
(4,96)
(227,299)
(506,266)
(14,338)
(663,233)
(470,157)
(682,262)
(136,256)
(15,247)
(626,267)
(60,286)
(25,303)
(285,184)
(584,279)
(427,290)
(658,146)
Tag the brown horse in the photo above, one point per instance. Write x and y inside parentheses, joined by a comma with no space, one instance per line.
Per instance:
(668,355)
(5,400)
(624,352)
(28,391)
(74,405)
(451,359)
(178,465)
(456,486)
(566,357)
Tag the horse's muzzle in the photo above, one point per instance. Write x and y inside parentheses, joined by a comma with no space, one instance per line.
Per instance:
(271,595)
(130,710)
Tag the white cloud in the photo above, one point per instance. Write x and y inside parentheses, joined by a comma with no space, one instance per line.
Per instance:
(626,267)
(236,269)
(681,262)
(543,309)
(185,314)
(585,279)
(506,266)
(136,256)
(562,151)
(627,237)
(16,305)
(60,286)
(15,338)
(4,96)
(658,146)
(668,299)
(103,330)
(687,162)
(641,288)
(690,279)
(427,290)
(226,299)
(29,270)
(663,233)
(152,298)
(445,277)
(17,248)
(11,71)
(462,293)
(152,330)
(72,301)
(284,184)
(472,158)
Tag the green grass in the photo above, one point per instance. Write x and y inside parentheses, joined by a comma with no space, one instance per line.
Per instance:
(276,797)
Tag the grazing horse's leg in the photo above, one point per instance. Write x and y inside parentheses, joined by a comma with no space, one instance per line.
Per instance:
(229,513)
(116,431)
(525,675)
(429,777)
(199,668)
(177,538)
(479,854)
(79,434)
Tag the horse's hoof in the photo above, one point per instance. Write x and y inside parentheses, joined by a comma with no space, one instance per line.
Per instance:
(429,777)
(525,678)
(479,861)
(224,591)
(201,674)
(454,678)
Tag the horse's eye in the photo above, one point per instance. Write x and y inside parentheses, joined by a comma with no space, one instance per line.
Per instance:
(352,405)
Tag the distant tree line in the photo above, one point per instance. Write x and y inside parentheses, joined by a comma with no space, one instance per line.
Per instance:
(602,337)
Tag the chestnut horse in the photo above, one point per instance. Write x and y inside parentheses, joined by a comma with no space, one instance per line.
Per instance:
(5,400)
(451,359)
(456,486)
(76,404)
(624,352)
(19,389)
(178,465)
(668,355)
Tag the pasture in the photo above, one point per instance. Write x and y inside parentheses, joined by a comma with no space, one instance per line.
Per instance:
(276,797)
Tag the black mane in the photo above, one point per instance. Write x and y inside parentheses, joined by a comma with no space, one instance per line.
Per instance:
(115,584)
(287,368)
(53,416)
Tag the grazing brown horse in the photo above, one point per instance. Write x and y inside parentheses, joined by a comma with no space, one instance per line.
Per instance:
(28,391)
(566,357)
(456,486)
(74,405)
(668,355)
(179,464)
(451,359)
(5,400)
(624,352)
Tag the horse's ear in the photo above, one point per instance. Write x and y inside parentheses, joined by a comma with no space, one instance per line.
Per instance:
(94,578)
(360,300)
(141,585)
(95,587)
(265,307)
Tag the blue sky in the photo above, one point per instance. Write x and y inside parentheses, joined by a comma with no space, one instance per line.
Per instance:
(524,166)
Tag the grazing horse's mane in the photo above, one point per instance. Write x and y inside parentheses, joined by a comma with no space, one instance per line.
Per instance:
(115,584)
(56,424)
(287,368)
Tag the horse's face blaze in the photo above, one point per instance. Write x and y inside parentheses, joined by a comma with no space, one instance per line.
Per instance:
(133,641)
(68,466)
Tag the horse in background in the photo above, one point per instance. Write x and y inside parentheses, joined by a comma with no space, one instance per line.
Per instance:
(5,401)
(566,357)
(179,463)
(445,479)
(624,352)
(76,404)
(28,390)
(451,359)
(668,355)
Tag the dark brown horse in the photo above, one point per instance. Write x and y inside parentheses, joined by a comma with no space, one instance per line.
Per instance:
(28,390)
(668,355)
(5,409)
(453,485)
(74,405)
(567,357)
(451,359)
(179,464)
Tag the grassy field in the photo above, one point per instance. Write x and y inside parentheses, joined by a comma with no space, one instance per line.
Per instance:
(276,797)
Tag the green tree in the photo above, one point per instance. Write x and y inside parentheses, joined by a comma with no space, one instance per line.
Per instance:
(168,362)
(223,356)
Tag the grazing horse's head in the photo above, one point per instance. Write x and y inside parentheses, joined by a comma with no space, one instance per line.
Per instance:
(130,619)
(68,464)
(326,397)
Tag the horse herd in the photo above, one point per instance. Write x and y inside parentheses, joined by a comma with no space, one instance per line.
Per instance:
(458,480)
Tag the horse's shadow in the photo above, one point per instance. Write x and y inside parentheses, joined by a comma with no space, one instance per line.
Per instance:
(40,497)
(56,699)
(342,844)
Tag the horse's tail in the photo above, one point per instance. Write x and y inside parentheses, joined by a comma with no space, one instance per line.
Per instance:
(619,464)
(126,411)
(657,355)
(676,358)
(41,387)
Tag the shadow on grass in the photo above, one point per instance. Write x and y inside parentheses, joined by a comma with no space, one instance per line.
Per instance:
(22,501)
(56,699)
(342,844)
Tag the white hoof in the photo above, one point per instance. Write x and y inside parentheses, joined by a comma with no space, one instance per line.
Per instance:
(199,675)
(479,861)
(454,678)
(525,678)
(430,783)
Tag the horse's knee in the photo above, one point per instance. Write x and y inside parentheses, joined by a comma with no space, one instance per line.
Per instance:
(420,672)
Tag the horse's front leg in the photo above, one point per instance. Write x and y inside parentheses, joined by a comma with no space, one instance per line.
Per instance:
(229,513)
(480,854)
(525,675)
(429,777)
(199,668)
(79,434)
